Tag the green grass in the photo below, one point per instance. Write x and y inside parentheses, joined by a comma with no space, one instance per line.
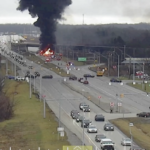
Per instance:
(28,129)
(141,86)
(140,130)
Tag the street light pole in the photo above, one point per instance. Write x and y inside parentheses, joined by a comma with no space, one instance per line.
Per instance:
(44,108)
(83,133)
(40,86)
(59,114)
(30,84)
(118,66)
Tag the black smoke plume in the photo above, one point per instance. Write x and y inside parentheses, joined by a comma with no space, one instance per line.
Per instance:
(47,13)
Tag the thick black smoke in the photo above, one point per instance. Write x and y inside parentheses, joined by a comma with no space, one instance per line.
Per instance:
(48,12)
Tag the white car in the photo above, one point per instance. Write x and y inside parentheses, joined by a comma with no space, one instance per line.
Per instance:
(126,142)
(92,129)
(19,78)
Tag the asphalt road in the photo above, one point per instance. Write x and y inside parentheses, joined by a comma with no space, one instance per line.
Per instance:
(57,93)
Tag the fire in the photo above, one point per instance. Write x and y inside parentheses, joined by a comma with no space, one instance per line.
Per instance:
(47,51)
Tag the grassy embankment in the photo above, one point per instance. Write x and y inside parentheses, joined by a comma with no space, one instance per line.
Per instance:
(28,129)
(140,130)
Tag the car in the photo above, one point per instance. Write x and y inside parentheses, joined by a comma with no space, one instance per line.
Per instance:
(88,75)
(75,115)
(47,77)
(107,144)
(108,127)
(85,82)
(32,76)
(80,118)
(135,147)
(74,112)
(11,77)
(115,80)
(99,137)
(85,123)
(37,74)
(72,78)
(30,67)
(143,114)
(92,129)
(99,117)
(80,80)
(17,78)
(126,142)
(86,108)
(81,105)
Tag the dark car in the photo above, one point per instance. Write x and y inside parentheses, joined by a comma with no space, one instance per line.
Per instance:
(37,74)
(32,76)
(80,80)
(135,147)
(108,127)
(99,117)
(99,137)
(85,82)
(11,77)
(74,112)
(85,123)
(72,78)
(30,67)
(143,114)
(75,115)
(108,147)
(80,118)
(115,80)
(86,108)
(88,75)
(47,77)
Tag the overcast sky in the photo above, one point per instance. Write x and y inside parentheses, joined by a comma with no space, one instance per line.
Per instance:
(95,12)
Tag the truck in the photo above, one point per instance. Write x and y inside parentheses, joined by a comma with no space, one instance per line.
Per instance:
(107,144)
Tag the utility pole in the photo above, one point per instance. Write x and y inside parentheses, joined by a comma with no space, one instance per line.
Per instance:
(133,71)
(124,52)
(44,108)
(30,84)
(6,67)
(15,70)
(108,65)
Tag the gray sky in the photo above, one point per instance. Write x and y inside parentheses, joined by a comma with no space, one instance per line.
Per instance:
(95,12)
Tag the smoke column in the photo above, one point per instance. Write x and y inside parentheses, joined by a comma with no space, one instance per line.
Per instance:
(47,13)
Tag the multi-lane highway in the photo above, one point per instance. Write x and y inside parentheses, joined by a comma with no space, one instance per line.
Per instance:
(57,93)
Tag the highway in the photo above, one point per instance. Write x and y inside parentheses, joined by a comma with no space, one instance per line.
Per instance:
(57,93)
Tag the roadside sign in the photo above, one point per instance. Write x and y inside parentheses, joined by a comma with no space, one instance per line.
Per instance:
(99,96)
(81,58)
(119,104)
(62,133)
(111,104)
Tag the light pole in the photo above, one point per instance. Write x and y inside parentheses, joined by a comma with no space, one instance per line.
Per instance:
(83,132)
(131,125)
(118,63)
(30,83)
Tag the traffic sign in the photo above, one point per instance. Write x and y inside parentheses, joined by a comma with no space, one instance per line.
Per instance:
(111,104)
(99,96)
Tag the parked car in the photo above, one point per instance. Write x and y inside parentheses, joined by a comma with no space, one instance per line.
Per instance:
(86,108)
(108,127)
(99,137)
(47,77)
(30,67)
(99,117)
(135,147)
(72,78)
(85,123)
(74,112)
(92,129)
(126,142)
(88,75)
(143,114)
(115,80)
(80,118)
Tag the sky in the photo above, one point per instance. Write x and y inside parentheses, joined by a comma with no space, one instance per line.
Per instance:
(86,12)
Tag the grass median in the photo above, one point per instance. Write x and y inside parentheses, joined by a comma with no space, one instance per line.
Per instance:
(28,129)
(140,130)
(50,66)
